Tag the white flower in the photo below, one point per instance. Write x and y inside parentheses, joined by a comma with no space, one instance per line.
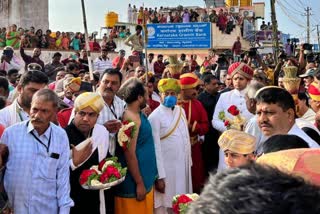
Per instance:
(193,196)
(95,182)
(107,163)
(122,137)
(95,167)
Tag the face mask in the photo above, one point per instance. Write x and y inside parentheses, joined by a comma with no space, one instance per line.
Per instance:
(170,101)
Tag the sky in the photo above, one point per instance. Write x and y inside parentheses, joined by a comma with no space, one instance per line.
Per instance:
(66,15)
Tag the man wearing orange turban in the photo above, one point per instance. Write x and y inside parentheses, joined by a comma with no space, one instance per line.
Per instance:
(198,126)
(241,75)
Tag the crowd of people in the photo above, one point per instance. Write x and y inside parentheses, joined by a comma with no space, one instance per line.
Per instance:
(246,122)
(31,38)
(224,19)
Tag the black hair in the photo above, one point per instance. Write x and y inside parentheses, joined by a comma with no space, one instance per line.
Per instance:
(112,71)
(72,66)
(152,79)
(256,188)
(33,76)
(3,102)
(131,90)
(303,96)
(3,73)
(275,95)
(12,71)
(4,83)
(283,142)
(139,27)
(160,55)
(208,77)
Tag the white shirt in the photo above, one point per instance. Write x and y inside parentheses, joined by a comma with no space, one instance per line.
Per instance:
(12,114)
(227,99)
(295,130)
(310,116)
(101,65)
(113,112)
(156,97)
(150,66)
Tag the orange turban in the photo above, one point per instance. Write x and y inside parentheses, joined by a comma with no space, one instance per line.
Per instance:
(240,68)
(189,80)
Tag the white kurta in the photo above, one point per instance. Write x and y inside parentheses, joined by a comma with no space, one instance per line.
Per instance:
(227,99)
(173,153)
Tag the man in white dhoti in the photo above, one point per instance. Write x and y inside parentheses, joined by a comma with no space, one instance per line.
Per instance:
(173,148)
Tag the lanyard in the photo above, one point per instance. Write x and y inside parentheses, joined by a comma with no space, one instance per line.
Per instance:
(37,139)
(112,110)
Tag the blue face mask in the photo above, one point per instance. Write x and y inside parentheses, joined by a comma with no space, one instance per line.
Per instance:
(170,101)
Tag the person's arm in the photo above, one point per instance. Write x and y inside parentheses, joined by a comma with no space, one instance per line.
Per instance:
(26,58)
(132,161)
(302,63)
(127,41)
(155,124)
(201,126)
(216,122)
(63,177)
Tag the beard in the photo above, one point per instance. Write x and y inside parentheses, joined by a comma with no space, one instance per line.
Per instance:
(143,104)
(26,101)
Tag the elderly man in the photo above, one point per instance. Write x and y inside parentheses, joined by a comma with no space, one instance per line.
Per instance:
(238,148)
(198,125)
(276,113)
(84,130)
(35,58)
(173,151)
(37,173)
(19,110)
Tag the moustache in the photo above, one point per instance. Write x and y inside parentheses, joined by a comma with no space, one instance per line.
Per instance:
(37,120)
(109,89)
(265,124)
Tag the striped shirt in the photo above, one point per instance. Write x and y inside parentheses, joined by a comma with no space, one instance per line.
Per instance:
(37,174)
(101,64)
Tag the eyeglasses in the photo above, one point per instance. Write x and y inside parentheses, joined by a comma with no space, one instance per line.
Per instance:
(90,114)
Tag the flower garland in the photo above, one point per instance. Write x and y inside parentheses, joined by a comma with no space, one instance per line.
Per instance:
(126,134)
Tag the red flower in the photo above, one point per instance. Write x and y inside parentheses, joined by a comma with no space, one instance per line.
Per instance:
(110,171)
(233,110)
(125,122)
(128,132)
(175,208)
(101,164)
(86,174)
(227,123)
(183,199)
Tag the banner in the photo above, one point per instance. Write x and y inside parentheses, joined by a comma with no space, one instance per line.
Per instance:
(195,35)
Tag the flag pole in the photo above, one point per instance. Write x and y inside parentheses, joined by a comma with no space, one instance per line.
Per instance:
(145,44)
(87,47)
